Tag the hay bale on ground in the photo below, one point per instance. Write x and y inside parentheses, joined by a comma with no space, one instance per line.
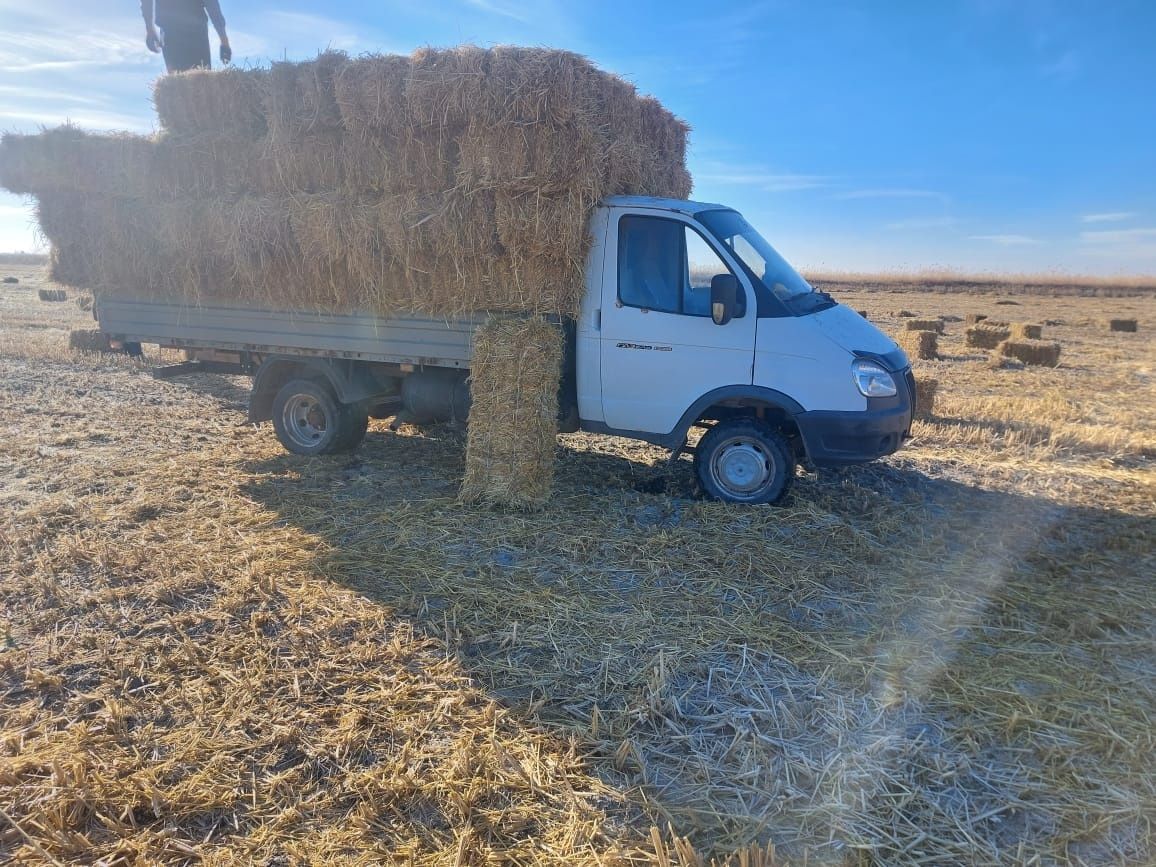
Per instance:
(974,318)
(904,314)
(11,280)
(1026,331)
(229,102)
(935,325)
(925,390)
(88,340)
(1038,352)
(919,344)
(1127,325)
(52,295)
(985,336)
(513,422)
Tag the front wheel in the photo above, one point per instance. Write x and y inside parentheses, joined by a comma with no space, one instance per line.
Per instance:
(744,461)
(308,420)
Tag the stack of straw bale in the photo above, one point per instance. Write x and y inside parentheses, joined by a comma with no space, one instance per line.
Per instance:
(447,182)
(925,391)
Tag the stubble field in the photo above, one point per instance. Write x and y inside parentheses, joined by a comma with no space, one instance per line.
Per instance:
(214,652)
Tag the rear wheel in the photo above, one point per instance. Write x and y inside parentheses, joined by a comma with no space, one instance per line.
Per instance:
(309,420)
(744,461)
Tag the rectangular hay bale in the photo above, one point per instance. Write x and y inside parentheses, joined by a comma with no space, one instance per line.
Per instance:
(226,102)
(926,388)
(513,422)
(1045,353)
(1126,325)
(1026,331)
(919,344)
(52,294)
(974,318)
(985,336)
(935,325)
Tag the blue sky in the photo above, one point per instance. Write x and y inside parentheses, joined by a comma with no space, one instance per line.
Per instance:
(983,135)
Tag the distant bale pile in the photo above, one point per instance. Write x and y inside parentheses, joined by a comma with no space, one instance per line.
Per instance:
(52,295)
(514,412)
(925,391)
(1035,352)
(11,279)
(935,325)
(904,314)
(986,336)
(1127,325)
(919,344)
(974,318)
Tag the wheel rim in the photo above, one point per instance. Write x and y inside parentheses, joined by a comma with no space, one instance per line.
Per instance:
(742,467)
(305,420)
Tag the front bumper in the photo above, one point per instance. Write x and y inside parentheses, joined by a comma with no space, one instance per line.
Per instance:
(834,438)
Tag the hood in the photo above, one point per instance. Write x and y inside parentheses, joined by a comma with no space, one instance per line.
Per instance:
(851,331)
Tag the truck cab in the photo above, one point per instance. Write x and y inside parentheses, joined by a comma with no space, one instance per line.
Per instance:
(691,318)
(693,334)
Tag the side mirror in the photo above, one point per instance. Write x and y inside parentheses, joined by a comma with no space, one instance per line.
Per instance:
(724,298)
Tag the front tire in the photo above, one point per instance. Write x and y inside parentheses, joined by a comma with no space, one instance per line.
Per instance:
(744,461)
(308,420)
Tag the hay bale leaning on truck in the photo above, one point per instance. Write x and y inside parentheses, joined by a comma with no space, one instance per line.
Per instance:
(447,183)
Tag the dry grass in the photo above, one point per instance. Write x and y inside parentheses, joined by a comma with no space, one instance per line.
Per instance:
(214,651)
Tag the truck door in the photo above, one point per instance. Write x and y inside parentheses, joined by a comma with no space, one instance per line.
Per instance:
(660,348)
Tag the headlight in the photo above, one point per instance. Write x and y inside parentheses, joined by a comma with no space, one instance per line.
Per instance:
(871,379)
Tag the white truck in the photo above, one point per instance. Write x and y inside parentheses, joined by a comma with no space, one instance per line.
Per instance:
(689,320)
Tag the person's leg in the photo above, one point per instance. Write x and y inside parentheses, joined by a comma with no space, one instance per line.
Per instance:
(187,48)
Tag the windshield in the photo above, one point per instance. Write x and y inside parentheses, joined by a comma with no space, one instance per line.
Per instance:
(764,262)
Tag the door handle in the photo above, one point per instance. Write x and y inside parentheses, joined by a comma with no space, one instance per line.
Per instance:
(596,319)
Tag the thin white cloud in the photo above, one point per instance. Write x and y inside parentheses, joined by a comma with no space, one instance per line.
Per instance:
(96,120)
(1109,217)
(891,193)
(1118,236)
(505,10)
(761,178)
(323,31)
(914,223)
(1064,68)
(1009,240)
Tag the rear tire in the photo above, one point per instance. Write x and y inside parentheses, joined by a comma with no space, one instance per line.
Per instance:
(744,461)
(308,419)
(355,424)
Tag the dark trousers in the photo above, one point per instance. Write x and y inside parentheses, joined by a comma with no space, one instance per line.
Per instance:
(187,47)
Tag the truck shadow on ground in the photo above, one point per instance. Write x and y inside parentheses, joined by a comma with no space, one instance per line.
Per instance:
(605,613)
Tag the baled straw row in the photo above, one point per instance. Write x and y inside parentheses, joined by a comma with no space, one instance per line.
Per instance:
(447,253)
(514,413)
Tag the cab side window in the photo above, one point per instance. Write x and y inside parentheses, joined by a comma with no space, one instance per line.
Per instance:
(665,265)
